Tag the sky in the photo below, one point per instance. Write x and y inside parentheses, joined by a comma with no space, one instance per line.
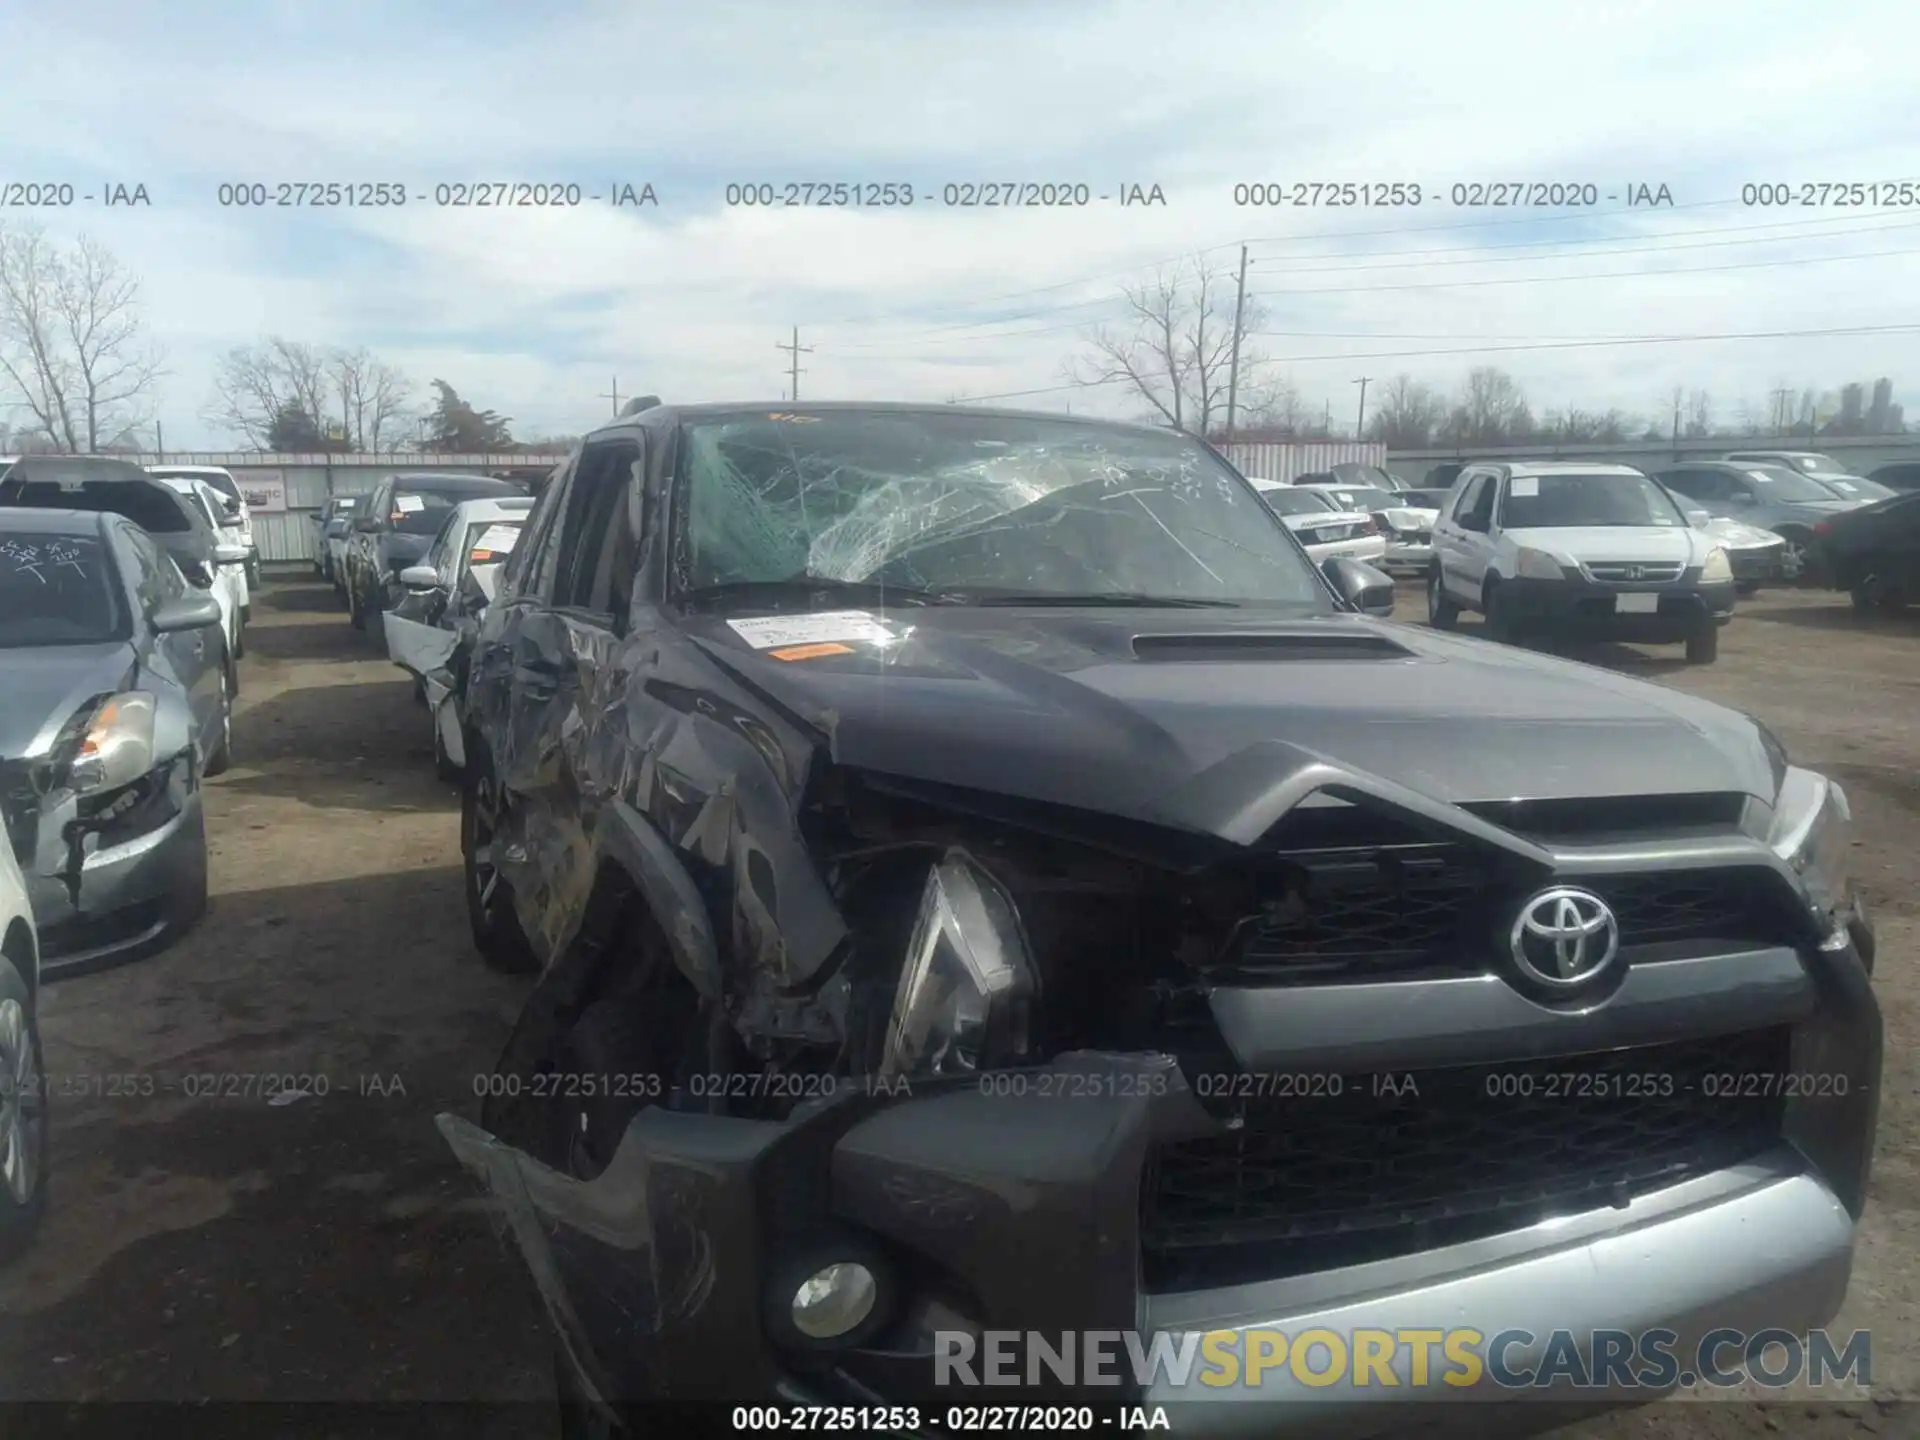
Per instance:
(537,312)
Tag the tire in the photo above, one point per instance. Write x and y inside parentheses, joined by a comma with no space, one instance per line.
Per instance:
(1703,646)
(490,915)
(1500,624)
(1443,611)
(220,758)
(23,1113)
(356,617)
(240,639)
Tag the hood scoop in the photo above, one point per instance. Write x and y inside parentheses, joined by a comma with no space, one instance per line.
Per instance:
(1276,645)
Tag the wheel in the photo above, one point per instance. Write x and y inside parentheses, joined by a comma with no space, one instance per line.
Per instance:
(496,928)
(1746,590)
(23,1112)
(220,757)
(240,638)
(253,574)
(1703,646)
(1799,555)
(1874,593)
(356,617)
(1500,624)
(1443,611)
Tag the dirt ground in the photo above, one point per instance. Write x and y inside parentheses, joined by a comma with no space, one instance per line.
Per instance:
(201,1248)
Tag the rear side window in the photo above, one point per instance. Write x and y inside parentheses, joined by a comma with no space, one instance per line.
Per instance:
(154,508)
(423,509)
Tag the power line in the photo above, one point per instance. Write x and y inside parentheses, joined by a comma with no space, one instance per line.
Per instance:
(1603,275)
(1544,345)
(950,331)
(1560,217)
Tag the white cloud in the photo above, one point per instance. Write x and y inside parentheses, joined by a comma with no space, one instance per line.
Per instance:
(531,313)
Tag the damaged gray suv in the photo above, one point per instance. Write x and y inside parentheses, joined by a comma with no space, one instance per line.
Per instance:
(981,876)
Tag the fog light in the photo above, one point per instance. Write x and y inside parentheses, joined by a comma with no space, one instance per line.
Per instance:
(835,1301)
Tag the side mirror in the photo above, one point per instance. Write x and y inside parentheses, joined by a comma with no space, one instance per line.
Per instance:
(1361,585)
(1741,497)
(367,525)
(420,577)
(230,554)
(1699,519)
(191,612)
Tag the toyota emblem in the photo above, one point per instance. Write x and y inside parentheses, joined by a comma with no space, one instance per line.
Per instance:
(1564,937)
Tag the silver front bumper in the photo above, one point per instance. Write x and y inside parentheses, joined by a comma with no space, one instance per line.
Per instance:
(1760,1246)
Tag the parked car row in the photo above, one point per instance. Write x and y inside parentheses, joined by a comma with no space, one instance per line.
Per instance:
(825,761)
(1794,517)
(122,602)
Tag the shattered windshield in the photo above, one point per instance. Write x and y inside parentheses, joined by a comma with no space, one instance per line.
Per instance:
(954,503)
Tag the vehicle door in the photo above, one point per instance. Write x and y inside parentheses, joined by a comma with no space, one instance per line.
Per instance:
(419,637)
(556,758)
(191,659)
(1459,549)
(363,540)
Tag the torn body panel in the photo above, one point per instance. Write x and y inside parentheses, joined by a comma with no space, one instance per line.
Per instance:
(990,923)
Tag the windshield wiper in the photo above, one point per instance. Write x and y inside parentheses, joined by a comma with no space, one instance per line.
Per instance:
(1115,598)
(804,585)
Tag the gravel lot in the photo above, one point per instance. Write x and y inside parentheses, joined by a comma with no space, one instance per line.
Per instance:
(228,1249)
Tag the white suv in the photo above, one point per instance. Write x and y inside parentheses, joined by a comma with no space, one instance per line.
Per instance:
(1577,548)
(221,479)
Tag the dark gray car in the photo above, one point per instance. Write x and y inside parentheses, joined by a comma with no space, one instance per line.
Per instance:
(396,526)
(116,703)
(1779,498)
(983,877)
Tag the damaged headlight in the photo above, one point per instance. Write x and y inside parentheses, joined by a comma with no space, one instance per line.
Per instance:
(1813,833)
(117,748)
(967,987)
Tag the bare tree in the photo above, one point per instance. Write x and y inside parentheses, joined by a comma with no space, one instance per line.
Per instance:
(1699,424)
(371,396)
(1175,349)
(1491,409)
(1408,414)
(73,349)
(278,385)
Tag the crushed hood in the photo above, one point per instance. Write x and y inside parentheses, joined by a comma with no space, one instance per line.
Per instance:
(46,684)
(1126,712)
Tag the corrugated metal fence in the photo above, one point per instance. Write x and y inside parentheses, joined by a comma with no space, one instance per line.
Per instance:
(285,491)
(1282,462)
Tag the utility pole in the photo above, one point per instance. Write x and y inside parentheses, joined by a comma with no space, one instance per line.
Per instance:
(614,395)
(1360,425)
(159,444)
(1676,422)
(796,350)
(1326,421)
(1233,362)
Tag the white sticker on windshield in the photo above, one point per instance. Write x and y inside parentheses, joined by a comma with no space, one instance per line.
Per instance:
(1761,476)
(1524,486)
(498,539)
(765,632)
(408,504)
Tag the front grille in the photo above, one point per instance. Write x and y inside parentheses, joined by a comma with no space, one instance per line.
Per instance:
(1628,574)
(1312,1182)
(1367,913)
(1756,562)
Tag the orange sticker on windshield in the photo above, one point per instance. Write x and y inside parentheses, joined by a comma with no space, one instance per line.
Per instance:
(810,652)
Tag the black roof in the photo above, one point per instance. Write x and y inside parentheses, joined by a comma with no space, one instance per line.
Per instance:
(30,520)
(92,469)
